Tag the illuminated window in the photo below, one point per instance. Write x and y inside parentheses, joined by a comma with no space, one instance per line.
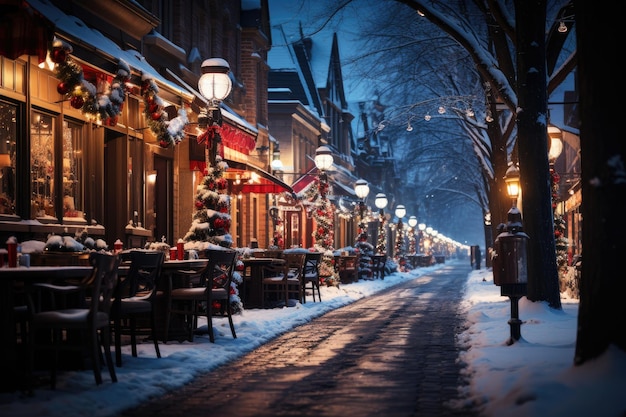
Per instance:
(42,165)
(8,114)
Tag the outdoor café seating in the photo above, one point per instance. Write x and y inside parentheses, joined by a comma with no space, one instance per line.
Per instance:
(311,275)
(134,308)
(347,267)
(378,266)
(83,327)
(201,291)
(280,280)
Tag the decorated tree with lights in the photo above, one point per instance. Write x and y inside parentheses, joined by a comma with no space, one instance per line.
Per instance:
(399,246)
(323,212)
(381,240)
(211,220)
(362,246)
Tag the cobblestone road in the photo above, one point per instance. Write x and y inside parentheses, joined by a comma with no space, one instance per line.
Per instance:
(387,355)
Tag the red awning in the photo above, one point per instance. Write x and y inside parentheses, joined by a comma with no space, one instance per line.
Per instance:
(263,186)
(24,31)
(264,183)
(304,181)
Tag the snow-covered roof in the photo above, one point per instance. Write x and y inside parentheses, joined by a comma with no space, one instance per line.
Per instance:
(78,32)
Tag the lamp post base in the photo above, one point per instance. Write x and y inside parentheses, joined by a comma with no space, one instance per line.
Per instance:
(514,292)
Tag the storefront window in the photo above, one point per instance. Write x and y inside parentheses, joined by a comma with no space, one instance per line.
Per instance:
(8,113)
(42,165)
(72,171)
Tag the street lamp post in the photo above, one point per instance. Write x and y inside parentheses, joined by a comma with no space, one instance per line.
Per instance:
(361,189)
(399,249)
(381,243)
(510,267)
(214,85)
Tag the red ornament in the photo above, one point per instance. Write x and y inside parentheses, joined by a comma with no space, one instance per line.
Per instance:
(77,102)
(63,88)
(199,204)
(219,223)
(164,143)
(59,55)
(222,183)
(156,116)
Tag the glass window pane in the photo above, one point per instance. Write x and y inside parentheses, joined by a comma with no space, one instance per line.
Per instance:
(73,171)
(42,165)
(8,125)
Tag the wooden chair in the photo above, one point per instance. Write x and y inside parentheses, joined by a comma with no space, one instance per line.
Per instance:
(210,284)
(378,266)
(284,279)
(50,328)
(136,301)
(348,268)
(311,277)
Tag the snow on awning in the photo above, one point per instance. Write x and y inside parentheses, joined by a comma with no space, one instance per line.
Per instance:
(77,33)
(342,188)
(304,182)
(262,183)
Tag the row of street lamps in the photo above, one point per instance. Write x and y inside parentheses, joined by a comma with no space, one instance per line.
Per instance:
(215,85)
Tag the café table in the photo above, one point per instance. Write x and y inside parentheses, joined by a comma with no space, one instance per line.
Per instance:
(253,285)
(12,376)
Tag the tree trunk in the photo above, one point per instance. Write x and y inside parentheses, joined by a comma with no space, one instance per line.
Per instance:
(602,311)
(543,282)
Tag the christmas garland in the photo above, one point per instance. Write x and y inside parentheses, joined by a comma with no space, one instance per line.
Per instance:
(106,106)
(168,132)
(83,95)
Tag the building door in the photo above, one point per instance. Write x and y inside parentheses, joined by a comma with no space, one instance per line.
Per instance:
(163,201)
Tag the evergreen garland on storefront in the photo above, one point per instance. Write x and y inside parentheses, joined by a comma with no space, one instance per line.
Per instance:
(561,241)
(104,103)
(104,106)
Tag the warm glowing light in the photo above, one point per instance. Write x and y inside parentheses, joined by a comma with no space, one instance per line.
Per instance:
(214,83)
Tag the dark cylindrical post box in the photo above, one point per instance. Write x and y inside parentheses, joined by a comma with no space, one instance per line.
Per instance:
(509,261)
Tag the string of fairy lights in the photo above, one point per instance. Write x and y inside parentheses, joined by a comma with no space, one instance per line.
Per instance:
(467,106)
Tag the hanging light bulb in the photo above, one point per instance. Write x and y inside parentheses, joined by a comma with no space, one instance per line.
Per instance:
(441,110)
(469,113)
(409,128)
(489,117)
(562,27)
(427,117)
